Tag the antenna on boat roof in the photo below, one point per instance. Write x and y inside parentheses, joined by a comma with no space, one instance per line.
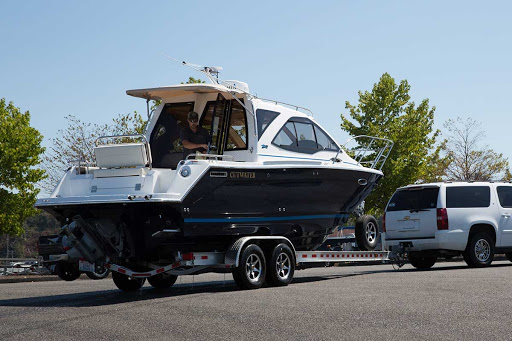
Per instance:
(212,72)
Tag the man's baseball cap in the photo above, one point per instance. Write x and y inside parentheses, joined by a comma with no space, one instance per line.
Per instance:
(193,115)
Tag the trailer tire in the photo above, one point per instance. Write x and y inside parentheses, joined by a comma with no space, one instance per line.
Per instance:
(422,262)
(281,266)
(127,283)
(251,270)
(162,281)
(67,271)
(98,275)
(480,251)
(366,231)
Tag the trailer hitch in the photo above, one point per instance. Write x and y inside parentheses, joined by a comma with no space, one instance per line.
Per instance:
(398,253)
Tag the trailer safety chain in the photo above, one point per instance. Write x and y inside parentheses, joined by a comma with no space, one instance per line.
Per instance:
(397,259)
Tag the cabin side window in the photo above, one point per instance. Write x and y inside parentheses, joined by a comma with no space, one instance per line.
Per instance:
(264,118)
(286,138)
(303,136)
(166,147)
(324,141)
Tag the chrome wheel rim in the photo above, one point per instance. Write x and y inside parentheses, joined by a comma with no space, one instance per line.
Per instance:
(371,232)
(482,250)
(253,268)
(283,266)
(101,273)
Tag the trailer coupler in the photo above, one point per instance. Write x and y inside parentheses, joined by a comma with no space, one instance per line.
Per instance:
(397,254)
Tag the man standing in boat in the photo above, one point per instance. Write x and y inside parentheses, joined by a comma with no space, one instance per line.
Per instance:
(193,137)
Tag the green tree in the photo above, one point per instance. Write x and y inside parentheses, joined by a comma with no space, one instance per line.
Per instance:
(387,112)
(20,149)
(468,158)
(192,80)
(25,245)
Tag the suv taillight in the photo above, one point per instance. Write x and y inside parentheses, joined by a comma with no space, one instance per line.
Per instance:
(442,219)
(384,222)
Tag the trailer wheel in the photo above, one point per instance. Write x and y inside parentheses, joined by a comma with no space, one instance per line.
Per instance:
(366,232)
(127,283)
(67,271)
(162,281)
(103,273)
(250,273)
(480,251)
(422,262)
(281,266)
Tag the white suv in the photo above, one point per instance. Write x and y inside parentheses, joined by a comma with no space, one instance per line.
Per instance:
(447,219)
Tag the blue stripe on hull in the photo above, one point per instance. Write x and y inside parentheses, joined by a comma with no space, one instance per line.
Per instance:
(256,219)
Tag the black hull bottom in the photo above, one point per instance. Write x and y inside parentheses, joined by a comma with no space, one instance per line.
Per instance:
(304,205)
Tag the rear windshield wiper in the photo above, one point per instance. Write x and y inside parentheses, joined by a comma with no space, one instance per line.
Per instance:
(419,210)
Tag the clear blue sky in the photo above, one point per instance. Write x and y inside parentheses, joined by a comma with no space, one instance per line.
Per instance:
(70,57)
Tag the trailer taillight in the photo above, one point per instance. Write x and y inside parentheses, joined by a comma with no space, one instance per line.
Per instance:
(384,222)
(442,219)
(188,256)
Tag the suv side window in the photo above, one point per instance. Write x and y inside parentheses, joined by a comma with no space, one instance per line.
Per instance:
(468,196)
(505,196)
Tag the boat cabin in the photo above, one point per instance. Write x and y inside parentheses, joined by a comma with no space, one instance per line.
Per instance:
(239,125)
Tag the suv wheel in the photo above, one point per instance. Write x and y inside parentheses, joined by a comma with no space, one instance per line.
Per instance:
(480,250)
(419,261)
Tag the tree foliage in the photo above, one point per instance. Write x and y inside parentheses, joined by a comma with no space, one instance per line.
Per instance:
(388,112)
(468,158)
(77,141)
(192,80)
(20,149)
(25,245)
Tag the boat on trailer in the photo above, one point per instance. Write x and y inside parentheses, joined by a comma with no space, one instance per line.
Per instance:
(270,170)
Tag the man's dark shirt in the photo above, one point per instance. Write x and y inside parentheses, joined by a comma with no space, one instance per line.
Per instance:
(199,137)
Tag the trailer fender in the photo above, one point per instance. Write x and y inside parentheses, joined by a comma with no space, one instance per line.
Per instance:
(232,257)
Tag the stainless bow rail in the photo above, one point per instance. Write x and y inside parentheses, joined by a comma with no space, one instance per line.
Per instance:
(369,153)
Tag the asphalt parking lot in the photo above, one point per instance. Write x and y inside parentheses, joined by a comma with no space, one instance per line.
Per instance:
(376,302)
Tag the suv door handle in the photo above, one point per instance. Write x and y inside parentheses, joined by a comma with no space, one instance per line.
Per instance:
(506,215)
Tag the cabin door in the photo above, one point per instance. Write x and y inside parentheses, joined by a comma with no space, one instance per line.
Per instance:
(219,125)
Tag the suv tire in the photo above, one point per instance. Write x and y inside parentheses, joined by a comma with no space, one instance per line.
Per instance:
(480,250)
(422,262)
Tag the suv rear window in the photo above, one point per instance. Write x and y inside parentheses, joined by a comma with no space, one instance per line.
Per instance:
(414,199)
(468,196)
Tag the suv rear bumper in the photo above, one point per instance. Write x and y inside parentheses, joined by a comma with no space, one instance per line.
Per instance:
(443,240)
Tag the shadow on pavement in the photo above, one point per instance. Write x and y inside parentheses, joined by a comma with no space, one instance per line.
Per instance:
(455,267)
(110,297)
